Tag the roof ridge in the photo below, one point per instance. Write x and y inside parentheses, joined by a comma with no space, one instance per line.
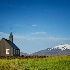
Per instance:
(11,44)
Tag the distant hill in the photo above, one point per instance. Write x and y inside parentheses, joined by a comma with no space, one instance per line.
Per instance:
(57,50)
(21,53)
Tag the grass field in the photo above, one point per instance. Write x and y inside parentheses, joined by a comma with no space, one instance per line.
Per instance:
(48,63)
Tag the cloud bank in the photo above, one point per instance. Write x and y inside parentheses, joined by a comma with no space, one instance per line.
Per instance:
(3,35)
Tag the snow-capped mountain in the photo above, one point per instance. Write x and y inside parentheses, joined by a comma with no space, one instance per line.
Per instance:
(62,47)
(57,50)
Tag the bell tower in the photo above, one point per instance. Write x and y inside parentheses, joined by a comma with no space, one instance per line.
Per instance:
(11,37)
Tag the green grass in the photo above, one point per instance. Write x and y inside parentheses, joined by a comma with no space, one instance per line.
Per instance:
(48,63)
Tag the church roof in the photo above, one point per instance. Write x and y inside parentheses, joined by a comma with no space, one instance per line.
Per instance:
(11,44)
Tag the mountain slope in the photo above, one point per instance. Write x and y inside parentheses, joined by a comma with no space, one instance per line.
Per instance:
(25,54)
(57,50)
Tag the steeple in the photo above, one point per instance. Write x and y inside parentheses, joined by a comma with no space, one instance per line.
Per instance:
(11,37)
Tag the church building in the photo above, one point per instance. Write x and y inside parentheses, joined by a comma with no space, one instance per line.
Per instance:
(8,48)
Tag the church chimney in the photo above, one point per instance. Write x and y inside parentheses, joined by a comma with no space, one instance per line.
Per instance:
(11,37)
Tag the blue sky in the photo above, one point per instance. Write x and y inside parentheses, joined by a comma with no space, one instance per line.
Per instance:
(36,24)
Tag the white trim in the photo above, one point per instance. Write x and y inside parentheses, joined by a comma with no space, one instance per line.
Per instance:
(7,51)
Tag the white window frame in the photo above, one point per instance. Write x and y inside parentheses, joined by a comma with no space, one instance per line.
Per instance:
(7,51)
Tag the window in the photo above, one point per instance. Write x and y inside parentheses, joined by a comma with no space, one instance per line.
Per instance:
(7,51)
(18,51)
(14,51)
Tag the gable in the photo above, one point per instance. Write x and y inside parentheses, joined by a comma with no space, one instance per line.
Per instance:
(10,43)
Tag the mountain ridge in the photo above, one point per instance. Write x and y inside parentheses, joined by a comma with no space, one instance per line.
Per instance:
(57,50)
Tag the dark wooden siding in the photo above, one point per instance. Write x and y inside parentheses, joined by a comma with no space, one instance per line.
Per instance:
(5,45)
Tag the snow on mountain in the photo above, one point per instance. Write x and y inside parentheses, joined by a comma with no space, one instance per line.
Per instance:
(62,47)
(54,51)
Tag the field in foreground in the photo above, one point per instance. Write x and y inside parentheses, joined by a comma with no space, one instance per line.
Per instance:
(48,63)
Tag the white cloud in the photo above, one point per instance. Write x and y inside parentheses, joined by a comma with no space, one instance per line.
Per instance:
(47,39)
(41,33)
(34,25)
(54,38)
(3,35)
